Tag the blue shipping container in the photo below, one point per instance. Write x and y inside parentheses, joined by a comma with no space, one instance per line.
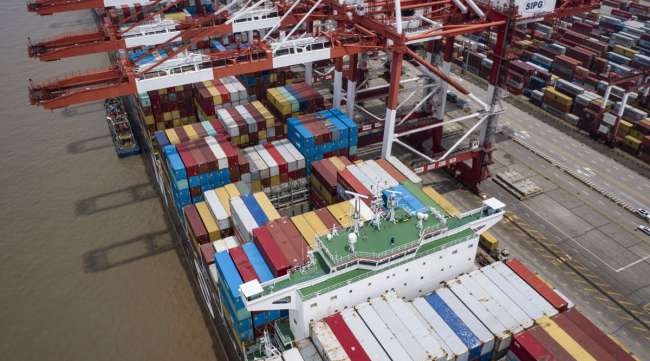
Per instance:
(255,209)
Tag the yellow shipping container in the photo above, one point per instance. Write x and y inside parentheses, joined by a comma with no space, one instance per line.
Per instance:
(224,198)
(171,135)
(191,133)
(256,186)
(337,163)
(318,188)
(232,190)
(149,119)
(167,116)
(305,229)
(160,126)
(563,338)
(275,181)
(266,205)
(624,128)
(176,123)
(442,201)
(315,223)
(208,221)
(632,142)
(261,134)
(620,49)
(268,117)
(635,133)
(488,241)
(341,211)
(243,139)
(550,92)
(176,114)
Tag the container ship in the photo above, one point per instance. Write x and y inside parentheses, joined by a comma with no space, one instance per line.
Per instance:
(301,241)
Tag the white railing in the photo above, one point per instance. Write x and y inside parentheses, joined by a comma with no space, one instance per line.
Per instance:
(152,28)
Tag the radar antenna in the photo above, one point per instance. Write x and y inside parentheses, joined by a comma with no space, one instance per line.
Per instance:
(356,212)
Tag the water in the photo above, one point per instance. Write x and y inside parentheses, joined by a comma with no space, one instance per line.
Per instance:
(87,265)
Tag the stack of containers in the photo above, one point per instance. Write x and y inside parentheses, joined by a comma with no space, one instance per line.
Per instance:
(276,168)
(199,165)
(282,245)
(189,132)
(322,134)
(249,124)
(323,180)
(564,67)
(167,108)
(294,99)
(249,212)
(211,95)
(556,102)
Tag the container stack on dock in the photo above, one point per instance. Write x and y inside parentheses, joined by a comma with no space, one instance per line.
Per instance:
(566,68)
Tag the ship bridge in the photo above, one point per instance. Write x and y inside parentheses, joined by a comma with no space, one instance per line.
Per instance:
(334,264)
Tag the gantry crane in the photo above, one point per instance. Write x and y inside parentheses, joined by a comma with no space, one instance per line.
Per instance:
(355,28)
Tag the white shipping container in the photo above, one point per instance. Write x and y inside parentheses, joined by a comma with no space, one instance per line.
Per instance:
(381,332)
(491,304)
(361,332)
(222,160)
(248,118)
(326,343)
(531,296)
(291,161)
(382,173)
(220,246)
(231,242)
(456,348)
(268,159)
(214,275)
(406,171)
(217,209)
(261,164)
(417,327)
(398,329)
(513,292)
(292,355)
(482,313)
(228,122)
(308,350)
(295,153)
(360,175)
(242,219)
(503,299)
(469,319)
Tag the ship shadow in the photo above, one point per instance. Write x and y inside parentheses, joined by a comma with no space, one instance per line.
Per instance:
(153,243)
(89,145)
(115,199)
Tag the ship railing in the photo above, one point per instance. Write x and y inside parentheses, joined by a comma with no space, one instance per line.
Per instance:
(373,257)
(362,276)
(471,212)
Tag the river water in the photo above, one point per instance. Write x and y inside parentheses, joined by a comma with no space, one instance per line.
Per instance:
(88,270)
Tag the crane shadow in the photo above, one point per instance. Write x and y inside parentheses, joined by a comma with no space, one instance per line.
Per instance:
(115,199)
(89,145)
(128,251)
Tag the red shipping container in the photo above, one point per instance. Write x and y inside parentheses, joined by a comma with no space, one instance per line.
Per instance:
(325,172)
(270,251)
(182,135)
(211,160)
(327,218)
(540,286)
(290,253)
(295,238)
(595,333)
(397,175)
(346,338)
(191,167)
(544,339)
(588,343)
(201,162)
(244,266)
(196,227)
(283,167)
(526,348)
(207,252)
(351,183)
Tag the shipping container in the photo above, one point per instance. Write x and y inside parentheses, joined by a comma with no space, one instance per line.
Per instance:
(464,325)
(209,222)
(399,329)
(524,347)
(361,332)
(453,345)
(346,338)
(197,231)
(513,293)
(488,314)
(590,345)
(550,344)
(326,217)
(399,177)
(308,350)
(594,332)
(271,251)
(292,354)
(417,326)
(243,220)
(503,299)
(382,333)
(257,262)
(315,223)
(305,230)
(532,298)
(244,267)
(231,280)
(342,213)
(563,339)
(326,342)
(536,283)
